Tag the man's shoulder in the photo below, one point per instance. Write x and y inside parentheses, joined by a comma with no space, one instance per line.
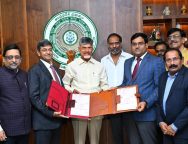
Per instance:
(184,71)
(126,55)
(104,58)
(34,67)
(95,61)
(153,58)
(74,62)
(22,71)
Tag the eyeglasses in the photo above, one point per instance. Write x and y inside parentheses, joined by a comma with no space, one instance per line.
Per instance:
(114,43)
(175,37)
(139,44)
(175,59)
(10,57)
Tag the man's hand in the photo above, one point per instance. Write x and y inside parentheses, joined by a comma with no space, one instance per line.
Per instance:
(170,131)
(141,106)
(75,91)
(2,136)
(163,127)
(58,114)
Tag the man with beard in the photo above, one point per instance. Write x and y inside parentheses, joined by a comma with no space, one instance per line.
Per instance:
(173,99)
(114,65)
(86,75)
(15,108)
(176,39)
(160,48)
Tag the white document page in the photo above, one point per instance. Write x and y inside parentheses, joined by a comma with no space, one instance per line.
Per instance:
(128,99)
(82,104)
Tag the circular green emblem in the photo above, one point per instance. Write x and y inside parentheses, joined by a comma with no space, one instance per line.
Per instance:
(64,31)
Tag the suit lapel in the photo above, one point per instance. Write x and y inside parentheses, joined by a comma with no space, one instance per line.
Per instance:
(130,66)
(59,75)
(44,69)
(163,85)
(176,82)
(143,63)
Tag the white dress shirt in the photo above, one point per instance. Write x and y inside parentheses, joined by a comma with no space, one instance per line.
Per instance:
(49,69)
(115,72)
(135,61)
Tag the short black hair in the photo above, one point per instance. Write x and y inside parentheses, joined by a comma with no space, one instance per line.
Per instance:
(86,40)
(161,43)
(114,34)
(172,30)
(173,49)
(143,35)
(43,43)
(10,47)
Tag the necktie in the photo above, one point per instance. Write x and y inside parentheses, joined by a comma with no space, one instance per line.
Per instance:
(136,67)
(55,74)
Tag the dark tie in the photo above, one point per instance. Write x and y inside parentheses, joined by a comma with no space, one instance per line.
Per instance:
(136,67)
(55,74)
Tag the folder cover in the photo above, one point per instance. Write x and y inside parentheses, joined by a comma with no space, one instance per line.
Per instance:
(85,106)
(57,97)
(118,100)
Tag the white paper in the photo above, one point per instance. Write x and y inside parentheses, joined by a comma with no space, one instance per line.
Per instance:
(82,104)
(128,100)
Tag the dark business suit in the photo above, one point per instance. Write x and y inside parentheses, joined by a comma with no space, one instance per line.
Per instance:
(176,104)
(15,107)
(42,116)
(147,80)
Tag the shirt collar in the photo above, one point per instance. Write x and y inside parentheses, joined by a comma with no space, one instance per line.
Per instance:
(46,63)
(121,55)
(172,76)
(142,57)
(81,61)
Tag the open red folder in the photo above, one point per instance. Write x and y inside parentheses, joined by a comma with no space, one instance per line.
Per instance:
(94,104)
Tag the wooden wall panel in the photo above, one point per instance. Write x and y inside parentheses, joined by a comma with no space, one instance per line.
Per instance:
(14,26)
(38,13)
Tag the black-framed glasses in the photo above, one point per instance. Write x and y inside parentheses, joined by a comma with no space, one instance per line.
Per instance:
(10,57)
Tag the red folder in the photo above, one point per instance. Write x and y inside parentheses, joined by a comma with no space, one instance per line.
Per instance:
(99,103)
(57,97)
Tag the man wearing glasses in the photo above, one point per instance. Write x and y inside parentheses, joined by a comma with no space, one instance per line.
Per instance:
(173,99)
(143,70)
(15,109)
(176,39)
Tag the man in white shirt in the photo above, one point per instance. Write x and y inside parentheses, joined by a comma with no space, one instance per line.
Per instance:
(114,65)
(86,75)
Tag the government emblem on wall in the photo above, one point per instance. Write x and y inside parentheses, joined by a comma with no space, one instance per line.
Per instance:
(64,31)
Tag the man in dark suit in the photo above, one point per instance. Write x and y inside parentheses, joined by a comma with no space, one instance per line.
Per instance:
(46,122)
(143,70)
(173,99)
(15,107)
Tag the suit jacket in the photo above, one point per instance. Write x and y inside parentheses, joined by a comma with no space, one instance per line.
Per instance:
(177,102)
(39,84)
(147,80)
(15,107)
